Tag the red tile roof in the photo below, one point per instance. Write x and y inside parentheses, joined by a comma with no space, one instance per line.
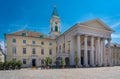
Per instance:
(30,34)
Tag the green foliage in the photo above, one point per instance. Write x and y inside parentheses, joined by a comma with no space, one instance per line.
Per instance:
(10,65)
(63,62)
(6,65)
(76,60)
(19,63)
(47,60)
(1,65)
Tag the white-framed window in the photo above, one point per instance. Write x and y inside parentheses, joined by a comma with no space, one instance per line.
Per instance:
(14,40)
(42,51)
(24,61)
(33,42)
(14,59)
(33,51)
(24,41)
(24,50)
(42,61)
(42,43)
(50,51)
(50,43)
(13,50)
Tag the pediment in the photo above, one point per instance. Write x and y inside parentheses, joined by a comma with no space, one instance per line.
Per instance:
(97,23)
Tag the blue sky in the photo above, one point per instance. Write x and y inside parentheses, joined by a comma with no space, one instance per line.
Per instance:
(35,15)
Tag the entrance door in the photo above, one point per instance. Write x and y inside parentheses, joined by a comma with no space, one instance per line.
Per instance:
(67,61)
(82,60)
(89,57)
(33,62)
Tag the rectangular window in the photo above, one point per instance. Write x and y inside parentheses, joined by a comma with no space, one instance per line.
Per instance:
(14,40)
(24,50)
(33,51)
(60,49)
(14,59)
(50,51)
(42,51)
(24,61)
(50,43)
(42,61)
(42,43)
(24,41)
(13,50)
(33,42)
(50,61)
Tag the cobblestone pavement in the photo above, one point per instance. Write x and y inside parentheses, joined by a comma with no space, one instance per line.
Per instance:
(77,73)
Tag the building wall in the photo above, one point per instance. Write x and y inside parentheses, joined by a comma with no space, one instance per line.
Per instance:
(115,55)
(1,57)
(28,56)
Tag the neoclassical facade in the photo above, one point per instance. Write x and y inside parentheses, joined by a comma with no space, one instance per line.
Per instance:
(86,41)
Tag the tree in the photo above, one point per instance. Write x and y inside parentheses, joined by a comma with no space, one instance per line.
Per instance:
(1,65)
(63,63)
(19,64)
(13,63)
(76,61)
(47,61)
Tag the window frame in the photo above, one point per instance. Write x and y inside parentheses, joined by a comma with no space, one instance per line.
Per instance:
(33,42)
(33,51)
(24,61)
(50,51)
(42,51)
(24,51)
(13,50)
(42,43)
(24,41)
(14,40)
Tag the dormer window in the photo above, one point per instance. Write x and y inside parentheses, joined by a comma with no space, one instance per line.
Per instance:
(23,34)
(41,36)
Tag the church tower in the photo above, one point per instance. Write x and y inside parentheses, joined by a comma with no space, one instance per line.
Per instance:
(54,24)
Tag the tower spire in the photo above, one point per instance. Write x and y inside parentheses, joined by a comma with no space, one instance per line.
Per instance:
(54,11)
(54,24)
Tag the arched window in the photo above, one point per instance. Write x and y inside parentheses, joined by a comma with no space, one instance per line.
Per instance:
(56,28)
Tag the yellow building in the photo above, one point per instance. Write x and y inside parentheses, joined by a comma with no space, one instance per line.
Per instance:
(30,47)
(115,49)
(84,40)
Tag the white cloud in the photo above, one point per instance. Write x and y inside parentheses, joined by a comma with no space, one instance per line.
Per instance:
(2,44)
(115,35)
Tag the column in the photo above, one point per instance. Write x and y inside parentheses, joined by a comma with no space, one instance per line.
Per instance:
(98,51)
(85,52)
(92,52)
(71,50)
(109,53)
(79,49)
(101,52)
(104,53)
(96,61)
